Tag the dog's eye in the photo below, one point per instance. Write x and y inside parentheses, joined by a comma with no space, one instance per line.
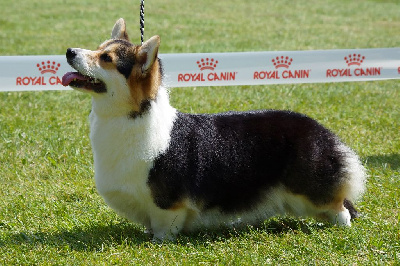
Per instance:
(106,58)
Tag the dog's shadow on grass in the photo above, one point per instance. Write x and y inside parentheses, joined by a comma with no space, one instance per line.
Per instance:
(102,237)
(275,226)
(90,238)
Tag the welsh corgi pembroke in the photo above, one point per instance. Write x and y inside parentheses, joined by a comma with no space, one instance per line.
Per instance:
(172,171)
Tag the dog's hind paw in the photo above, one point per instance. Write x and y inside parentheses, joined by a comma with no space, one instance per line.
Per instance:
(342,218)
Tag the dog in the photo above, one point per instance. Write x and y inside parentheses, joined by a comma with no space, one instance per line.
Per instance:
(172,171)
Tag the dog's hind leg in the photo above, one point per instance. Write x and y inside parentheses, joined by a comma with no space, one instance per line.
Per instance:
(353,212)
(341,218)
(336,214)
(341,211)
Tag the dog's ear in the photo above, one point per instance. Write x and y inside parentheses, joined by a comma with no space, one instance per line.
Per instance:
(119,30)
(148,53)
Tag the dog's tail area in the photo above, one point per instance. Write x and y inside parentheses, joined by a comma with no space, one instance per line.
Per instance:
(354,179)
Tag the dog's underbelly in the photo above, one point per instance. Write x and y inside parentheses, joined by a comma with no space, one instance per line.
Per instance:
(276,201)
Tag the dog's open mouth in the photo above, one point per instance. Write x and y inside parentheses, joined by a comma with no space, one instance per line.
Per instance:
(77,80)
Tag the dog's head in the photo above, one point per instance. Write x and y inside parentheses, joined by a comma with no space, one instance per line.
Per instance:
(121,77)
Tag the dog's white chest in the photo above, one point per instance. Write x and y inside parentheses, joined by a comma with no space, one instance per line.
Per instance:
(121,169)
(124,151)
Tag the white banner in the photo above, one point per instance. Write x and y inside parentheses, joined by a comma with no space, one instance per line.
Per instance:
(22,73)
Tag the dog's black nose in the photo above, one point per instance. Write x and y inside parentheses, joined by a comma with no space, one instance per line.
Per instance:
(70,53)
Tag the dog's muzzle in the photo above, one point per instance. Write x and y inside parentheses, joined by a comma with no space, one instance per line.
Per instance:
(71,54)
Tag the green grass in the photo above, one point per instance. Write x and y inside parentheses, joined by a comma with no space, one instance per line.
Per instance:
(50,212)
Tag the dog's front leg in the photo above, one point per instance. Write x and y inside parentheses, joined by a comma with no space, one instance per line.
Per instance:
(166,224)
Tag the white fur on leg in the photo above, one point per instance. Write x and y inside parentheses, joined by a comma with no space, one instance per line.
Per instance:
(166,224)
(342,218)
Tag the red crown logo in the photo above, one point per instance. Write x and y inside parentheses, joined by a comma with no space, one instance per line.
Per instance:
(354,59)
(282,61)
(207,63)
(48,67)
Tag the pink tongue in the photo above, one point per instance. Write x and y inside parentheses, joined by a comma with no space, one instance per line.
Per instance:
(70,76)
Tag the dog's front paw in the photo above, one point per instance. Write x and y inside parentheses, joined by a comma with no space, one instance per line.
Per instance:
(148,231)
(162,237)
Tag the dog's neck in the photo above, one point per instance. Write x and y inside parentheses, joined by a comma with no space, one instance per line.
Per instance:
(149,132)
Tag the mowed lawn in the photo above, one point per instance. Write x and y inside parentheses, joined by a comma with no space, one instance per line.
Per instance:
(50,212)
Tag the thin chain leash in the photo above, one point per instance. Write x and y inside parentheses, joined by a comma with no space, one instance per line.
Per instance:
(142,20)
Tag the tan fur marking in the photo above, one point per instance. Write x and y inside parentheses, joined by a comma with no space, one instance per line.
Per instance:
(336,205)
(100,51)
(106,65)
(177,206)
(144,86)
